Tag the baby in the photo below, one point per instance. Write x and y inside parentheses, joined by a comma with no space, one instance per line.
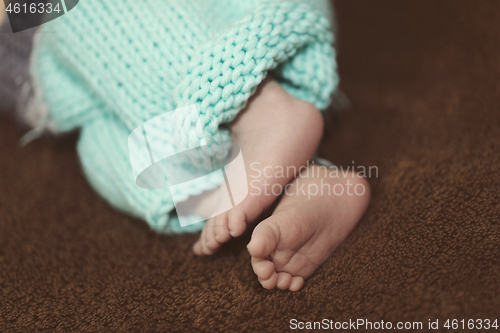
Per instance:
(278,130)
(257,72)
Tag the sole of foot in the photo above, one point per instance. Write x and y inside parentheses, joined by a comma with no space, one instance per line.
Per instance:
(290,245)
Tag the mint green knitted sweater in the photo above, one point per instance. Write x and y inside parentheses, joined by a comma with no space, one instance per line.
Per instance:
(107,67)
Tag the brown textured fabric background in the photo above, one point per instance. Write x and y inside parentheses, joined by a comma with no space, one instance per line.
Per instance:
(424,81)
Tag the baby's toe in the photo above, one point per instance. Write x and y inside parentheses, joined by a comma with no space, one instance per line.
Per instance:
(263,268)
(203,242)
(197,248)
(222,234)
(236,222)
(296,283)
(202,247)
(264,239)
(269,283)
(284,280)
(209,243)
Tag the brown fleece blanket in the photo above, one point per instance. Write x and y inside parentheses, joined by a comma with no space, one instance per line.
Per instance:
(423,78)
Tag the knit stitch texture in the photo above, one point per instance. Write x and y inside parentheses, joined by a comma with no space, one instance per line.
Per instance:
(107,67)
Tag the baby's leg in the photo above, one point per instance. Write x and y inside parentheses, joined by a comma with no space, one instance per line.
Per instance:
(315,215)
(276,131)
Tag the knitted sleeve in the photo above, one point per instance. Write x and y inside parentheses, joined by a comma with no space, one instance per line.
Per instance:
(290,39)
(107,67)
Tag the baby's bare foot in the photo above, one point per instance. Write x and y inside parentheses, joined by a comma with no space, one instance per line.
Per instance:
(275,130)
(289,246)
